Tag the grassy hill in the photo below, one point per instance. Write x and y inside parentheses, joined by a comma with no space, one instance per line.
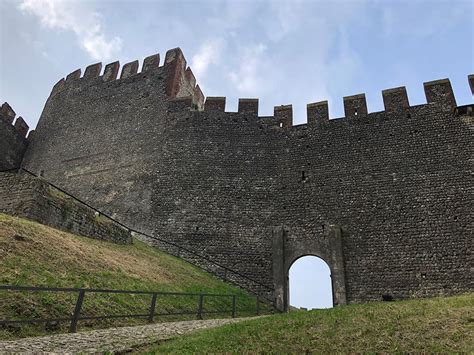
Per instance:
(442,325)
(32,254)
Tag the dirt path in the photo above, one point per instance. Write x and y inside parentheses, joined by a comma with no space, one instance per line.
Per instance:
(112,339)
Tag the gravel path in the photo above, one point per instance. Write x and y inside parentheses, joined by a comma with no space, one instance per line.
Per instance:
(112,339)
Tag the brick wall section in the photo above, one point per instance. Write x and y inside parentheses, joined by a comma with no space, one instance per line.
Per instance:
(396,183)
(17,195)
(213,191)
(26,196)
(400,187)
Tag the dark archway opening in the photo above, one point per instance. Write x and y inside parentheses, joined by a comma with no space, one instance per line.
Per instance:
(310,284)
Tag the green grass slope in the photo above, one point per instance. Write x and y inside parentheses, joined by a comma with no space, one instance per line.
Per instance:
(32,254)
(441,325)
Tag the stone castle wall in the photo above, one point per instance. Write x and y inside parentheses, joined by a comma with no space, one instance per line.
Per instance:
(383,197)
(13,142)
(26,196)
(108,149)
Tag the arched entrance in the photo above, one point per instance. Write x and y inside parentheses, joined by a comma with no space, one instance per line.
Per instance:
(287,248)
(310,284)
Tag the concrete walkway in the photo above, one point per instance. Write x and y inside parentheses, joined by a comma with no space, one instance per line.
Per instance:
(110,340)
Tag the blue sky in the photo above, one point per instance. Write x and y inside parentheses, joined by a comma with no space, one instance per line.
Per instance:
(283,52)
(310,283)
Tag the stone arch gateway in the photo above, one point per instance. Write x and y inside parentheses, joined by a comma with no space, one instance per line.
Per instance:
(286,250)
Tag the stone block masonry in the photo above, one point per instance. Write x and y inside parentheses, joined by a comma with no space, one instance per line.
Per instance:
(13,141)
(385,198)
(26,196)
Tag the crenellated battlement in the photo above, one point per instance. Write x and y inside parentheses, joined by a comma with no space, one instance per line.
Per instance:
(8,115)
(395,100)
(179,78)
(248,106)
(13,138)
(181,88)
(214,103)
(317,112)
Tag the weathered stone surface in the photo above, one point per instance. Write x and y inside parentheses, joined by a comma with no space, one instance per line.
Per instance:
(214,104)
(440,92)
(111,71)
(317,112)
(93,71)
(355,105)
(75,75)
(248,106)
(58,86)
(395,99)
(26,196)
(13,143)
(129,69)
(6,113)
(151,62)
(284,115)
(21,126)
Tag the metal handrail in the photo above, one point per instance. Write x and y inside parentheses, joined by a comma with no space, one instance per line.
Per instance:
(100,290)
(152,312)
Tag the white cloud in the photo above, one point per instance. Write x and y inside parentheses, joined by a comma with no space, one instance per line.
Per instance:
(98,47)
(78,17)
(209,53)
(247,79)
